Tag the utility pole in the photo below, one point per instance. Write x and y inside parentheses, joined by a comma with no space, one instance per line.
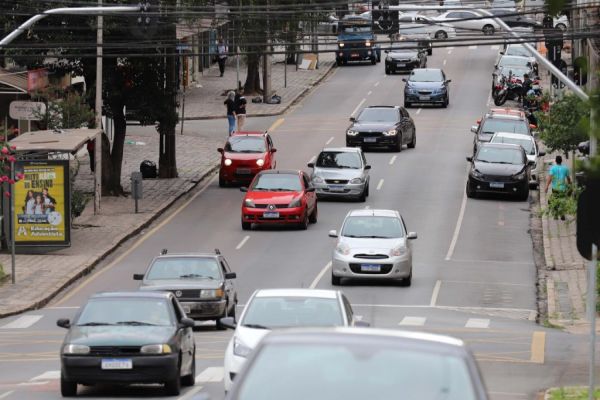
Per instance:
(267,62)
(98,138)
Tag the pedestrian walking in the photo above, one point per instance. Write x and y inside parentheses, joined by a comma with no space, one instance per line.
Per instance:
(240,110)
(231,110)
(559,178)
(91,152)
(222,51)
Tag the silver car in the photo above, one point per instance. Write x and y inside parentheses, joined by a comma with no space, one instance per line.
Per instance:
(341,172)
(372,244)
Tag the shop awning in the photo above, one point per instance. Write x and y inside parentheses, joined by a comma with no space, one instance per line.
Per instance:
(66,140)
(13,82)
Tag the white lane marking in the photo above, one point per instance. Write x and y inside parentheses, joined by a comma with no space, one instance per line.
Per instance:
(435,293)
(495,47)
(358,106)
(22,322)
(376,84)
(367,207)
(472,47)
(315,282)
(329,141)
(478,323)
(358,317)
(450,48)
(312,159)
(380,184)
(243,242)
(461,214)
(36,383)
(211,374)
(190,393)
(6,394)
(450,308)
(62,308)
(369,93)
(393,159)
(418,111)
(48,375)
(413,321)
(510,395)
(444,62)
(450,51)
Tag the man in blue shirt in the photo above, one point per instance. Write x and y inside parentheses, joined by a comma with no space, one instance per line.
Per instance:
(559,177)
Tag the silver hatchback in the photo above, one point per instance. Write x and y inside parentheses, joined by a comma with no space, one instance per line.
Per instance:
(341,172)
(372,244)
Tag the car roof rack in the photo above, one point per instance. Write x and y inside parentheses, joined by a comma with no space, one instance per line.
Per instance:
(217,251)
(163,252)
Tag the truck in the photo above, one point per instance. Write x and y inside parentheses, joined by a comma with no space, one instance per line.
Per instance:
(356,41)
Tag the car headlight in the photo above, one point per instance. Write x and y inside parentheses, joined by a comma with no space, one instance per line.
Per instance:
(260,162)
(439,90)
(476,173)
(388,59)
(343,249)
(240,349)
(398,251)
(391,132)
(411,90)
(351,132)
(249,203)
(520,176)
(341,44)
(368,43)
(156,349)
(76,349)
(296,203)
(211,293)
(317,179)
(356,181)
(227,162)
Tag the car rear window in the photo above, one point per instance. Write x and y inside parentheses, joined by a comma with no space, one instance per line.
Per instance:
(293,311)
(184,268)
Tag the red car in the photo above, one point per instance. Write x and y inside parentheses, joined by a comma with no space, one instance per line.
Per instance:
(245,154)
(279,197)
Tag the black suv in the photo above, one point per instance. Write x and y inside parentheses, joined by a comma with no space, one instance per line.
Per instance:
(389,126)
(499,120)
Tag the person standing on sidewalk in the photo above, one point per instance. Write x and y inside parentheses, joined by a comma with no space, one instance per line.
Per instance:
(240,110)
(231,110)
(222,51)
(559,178)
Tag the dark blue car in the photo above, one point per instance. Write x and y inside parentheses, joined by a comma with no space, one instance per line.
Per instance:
(427,86)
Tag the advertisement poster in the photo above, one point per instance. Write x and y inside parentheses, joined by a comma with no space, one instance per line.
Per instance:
(41,201)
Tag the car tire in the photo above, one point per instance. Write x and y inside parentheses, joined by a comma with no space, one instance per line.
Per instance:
(304,224)
(471,193)
(336,280)
(339,62)
(488,29)
(408,280)
(222,182)
(173,387)
(413,142)
(398,146)
(387,71)
(367,190)
(246,226)
(190,379)
(407,104)
(373,61)
(67,388)
(524,195)
(441,35)
(314,215)
(363,196)
(378,57)
(445,103)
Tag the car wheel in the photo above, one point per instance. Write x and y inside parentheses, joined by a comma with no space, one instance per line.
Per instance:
(561,26)
(67,388)
(471,193)
(429,51)
(398,146)
(488,30)
(413,142)
(336,280)
(338,62)
(441,35)
(222,182)
(190,380)
(246,226)
(367,190)
(363,196)
(408,280)
(373,61)
(445,103)
(173,387)
(304,224)
(387,71)
(524,195)
(314,215)
(407,104)
(378,57)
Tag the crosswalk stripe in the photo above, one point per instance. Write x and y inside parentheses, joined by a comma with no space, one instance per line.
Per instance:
(22,322)
(495,47)
(48,375)
(478,323)
(472,47)
(211,374)
(413,321)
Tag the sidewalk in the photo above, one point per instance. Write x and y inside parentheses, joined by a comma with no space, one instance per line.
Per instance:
(40,277)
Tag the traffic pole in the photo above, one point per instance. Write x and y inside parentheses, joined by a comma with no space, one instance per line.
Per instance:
(591,297)
(13,261)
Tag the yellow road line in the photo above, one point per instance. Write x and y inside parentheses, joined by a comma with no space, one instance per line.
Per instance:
(275,124)
(538,347)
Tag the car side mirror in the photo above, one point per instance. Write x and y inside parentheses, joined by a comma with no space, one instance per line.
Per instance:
(469,159)
(186,322)
(220,150)
(361,324)
(403,79)
(230,275)
(310,165)
(502,52)
(310,190)
(243,189)
(63,323)
(448,80)
(367,167)
(411,235)
(228,322)
(138,277)
(530,163)
(474,128)
(541,153)
(352,119)
(333,233)
(273,150)
(386,51)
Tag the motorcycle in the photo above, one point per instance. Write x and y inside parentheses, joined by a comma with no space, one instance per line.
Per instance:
(509,88)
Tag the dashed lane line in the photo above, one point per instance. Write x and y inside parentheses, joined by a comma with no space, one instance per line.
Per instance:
(418,111)
(393,159)
(380,184)
(376,84)
(315,282)
(358,106)
(435,293)
(444,62)
(48,375)
(538,347)
(413,321)
(369,93)
(329,141)
(211,374)
(312,159)
(478,323)
(461,215)
(22,322)
(276,124)
(242,243)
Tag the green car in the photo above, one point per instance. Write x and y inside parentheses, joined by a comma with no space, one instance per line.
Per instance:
(128,337)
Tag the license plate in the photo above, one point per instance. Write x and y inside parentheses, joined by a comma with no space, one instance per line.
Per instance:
(336,188)
(424,97)
(243,171)
(400,65)
(270,214)
(117,363)
(370,268)
(354,55)
(370,140)
(186,309)
(497,185)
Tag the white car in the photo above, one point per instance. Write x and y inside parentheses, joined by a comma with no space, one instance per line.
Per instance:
(469,20)
(517,49)
(526,142)
(270,309)
(414,24)
(562,22)
(372,244)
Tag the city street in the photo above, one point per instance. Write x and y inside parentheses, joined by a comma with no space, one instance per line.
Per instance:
(474,273)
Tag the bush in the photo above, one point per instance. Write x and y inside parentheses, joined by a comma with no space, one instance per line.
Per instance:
(78,201)
(565,125)
(563,205)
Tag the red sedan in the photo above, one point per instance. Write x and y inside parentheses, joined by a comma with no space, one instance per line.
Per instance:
(279,197)
(245,154)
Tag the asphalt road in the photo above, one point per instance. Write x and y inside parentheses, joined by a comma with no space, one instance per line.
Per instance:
(474,274)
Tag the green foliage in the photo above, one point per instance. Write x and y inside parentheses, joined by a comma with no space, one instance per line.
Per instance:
(565,125)
(572,393)
(559,205)
(2,273)
(78,201)
(64,109)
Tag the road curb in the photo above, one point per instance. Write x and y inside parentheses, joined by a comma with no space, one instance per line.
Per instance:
(92,265)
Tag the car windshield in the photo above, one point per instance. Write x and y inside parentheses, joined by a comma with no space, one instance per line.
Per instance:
(292,311)
(372,227)
(526,142)
(339,159)
(277,182)
(336,371)
(246,144)
(517,51)
(378,115)
(125,311)
(499,155)
(184,268)
(493,125)
(426,75)
(513,60)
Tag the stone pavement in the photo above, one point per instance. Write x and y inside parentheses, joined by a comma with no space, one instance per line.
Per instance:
(40,277)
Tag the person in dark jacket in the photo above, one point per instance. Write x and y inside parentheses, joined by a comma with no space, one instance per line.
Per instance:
(231,111)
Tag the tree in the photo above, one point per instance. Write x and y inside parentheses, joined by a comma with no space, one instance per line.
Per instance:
(64,109)
(565,125)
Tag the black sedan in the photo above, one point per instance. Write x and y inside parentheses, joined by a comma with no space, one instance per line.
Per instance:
(126,338)
(499,168)
(405,56)
(428,86)
(388,126)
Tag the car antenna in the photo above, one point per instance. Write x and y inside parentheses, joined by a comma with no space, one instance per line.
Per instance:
(163,252)
(217,251)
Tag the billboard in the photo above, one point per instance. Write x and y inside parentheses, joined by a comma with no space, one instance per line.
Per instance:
(384,20)
(41,200)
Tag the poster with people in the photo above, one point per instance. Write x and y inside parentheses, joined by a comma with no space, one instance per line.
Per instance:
(41,203)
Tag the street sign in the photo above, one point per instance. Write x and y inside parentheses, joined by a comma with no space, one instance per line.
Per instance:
(27,110)
(588,218)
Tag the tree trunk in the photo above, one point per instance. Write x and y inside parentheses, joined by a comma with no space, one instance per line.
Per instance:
(252,85)
(167,162)
(113,180)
